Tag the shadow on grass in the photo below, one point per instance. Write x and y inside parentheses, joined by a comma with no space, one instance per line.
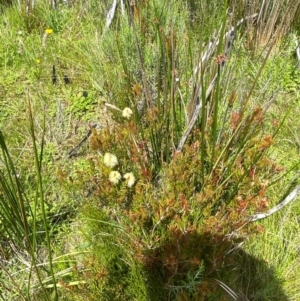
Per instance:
(193,268)
(188,266)
(255,278)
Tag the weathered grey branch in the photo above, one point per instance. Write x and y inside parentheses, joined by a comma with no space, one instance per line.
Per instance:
(196,113)
(212,45)
(230,36)
(298,52)
(74,151)
(111,13)
(286,201)
(230,292)
(208,92)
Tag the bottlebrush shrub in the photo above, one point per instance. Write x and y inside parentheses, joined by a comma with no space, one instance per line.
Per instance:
(190,213)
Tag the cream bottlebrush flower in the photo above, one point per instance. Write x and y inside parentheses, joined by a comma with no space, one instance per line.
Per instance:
(110,160)
(114,177)
(126,113)
(130,179)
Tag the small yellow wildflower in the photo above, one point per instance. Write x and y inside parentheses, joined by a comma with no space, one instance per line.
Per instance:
(126,113)
(130,179)
(110,160)
(114,177)
(49,31)
(38,61)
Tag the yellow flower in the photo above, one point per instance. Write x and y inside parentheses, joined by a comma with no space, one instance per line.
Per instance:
(114,177)
(110,160)
(38,61)
(130,179)
(126,113)
(49,31)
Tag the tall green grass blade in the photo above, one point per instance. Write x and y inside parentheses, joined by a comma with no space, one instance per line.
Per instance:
(40,191)
(215,106)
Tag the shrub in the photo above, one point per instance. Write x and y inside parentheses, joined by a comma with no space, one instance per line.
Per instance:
(190,205)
